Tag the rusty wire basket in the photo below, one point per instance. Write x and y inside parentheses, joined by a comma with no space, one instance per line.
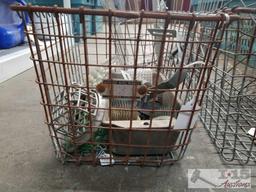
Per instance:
(128,95)
(229,112)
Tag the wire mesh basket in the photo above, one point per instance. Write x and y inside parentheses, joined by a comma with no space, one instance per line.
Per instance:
(229,112)
(129,95)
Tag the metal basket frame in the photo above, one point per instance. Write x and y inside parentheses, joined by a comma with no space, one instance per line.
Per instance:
(64,71)
(229,110)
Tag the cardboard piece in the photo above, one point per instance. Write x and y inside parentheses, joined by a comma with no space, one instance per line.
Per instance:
(142,138)
(120,88)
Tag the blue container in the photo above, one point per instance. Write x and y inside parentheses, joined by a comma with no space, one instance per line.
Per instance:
(78,3)
(97,24)
(46,2)
(93,23)
(11,26)
(77,26)
(91,27)
(98,3)
(97,21)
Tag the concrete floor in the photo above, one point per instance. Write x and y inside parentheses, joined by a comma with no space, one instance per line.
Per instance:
(27,162)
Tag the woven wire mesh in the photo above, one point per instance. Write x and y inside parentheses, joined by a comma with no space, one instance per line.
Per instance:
(129,94)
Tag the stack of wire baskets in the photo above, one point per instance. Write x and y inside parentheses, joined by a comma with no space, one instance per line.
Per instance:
(132,93)
(229,112)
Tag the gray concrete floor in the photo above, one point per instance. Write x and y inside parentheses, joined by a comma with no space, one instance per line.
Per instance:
(27,162)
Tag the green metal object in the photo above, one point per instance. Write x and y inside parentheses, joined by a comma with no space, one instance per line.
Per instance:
(45,2)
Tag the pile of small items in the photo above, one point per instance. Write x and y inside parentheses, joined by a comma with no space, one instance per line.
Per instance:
(122,86)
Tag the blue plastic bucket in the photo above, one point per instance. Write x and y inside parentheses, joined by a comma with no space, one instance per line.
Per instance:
(11,26)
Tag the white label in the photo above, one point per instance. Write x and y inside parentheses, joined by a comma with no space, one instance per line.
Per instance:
(105,159)
(121,88)
(184,117)
(251,131)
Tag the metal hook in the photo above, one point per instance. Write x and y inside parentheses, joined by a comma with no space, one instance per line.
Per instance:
(227,18)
